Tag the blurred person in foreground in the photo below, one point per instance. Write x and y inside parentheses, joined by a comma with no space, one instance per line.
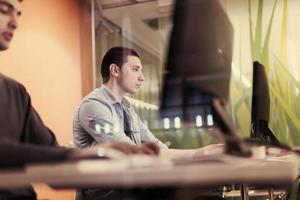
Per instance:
(24,139)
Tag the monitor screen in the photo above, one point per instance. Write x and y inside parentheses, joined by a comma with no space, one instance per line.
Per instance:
(198,68)
(260,94)
(260,131)
(200,49)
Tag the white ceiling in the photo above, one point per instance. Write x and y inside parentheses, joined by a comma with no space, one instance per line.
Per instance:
(130,16)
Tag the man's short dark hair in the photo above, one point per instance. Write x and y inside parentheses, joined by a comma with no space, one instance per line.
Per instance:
(117,56)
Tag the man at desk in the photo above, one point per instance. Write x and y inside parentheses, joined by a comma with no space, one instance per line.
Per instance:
(24,138)
(106,115)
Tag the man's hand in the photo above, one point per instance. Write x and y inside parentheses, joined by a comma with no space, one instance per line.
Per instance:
(113,150)
(144,148)
(210,150)
(148,148)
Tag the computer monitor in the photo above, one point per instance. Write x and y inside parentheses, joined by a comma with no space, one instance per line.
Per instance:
(199,66)
(260,131)
(201,46)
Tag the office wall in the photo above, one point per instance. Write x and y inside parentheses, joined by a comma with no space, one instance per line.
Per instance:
(51,55)
(46,56)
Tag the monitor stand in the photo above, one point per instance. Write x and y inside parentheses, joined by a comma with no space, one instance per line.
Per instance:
(234,145)
(261,134)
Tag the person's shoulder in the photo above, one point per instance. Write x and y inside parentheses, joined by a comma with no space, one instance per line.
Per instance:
(7,80)
(10,83)
(94,102)
(12,89)
(97,95)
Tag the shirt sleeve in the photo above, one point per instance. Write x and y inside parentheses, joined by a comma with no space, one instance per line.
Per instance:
(147,136)
(14,154)
(97,120)
(34,130)
(37,143)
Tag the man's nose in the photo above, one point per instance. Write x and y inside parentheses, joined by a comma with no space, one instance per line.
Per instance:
(141,77)
(13,22)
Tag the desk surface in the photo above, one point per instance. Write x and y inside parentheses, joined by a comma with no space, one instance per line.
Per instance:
(140,171)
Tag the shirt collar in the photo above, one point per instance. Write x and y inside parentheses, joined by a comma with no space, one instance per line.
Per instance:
(112,98)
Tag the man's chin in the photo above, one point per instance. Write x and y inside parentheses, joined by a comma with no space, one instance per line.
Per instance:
(132,92)
(3,47)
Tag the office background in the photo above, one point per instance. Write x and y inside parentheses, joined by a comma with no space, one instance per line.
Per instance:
(264,31)
(267,31)
(53,55)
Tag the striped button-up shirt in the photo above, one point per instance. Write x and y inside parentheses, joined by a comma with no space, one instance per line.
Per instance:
(99,118)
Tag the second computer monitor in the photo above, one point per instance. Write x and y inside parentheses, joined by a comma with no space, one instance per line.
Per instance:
(260,131)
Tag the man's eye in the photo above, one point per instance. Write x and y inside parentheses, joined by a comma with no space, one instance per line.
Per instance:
(4,9)
(135,69)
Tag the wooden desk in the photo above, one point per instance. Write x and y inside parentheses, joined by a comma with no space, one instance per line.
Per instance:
(140,171)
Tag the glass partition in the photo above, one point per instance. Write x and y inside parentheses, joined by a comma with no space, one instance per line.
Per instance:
(263,30)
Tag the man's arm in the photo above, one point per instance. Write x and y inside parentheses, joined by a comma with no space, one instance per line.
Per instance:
(31,141)
(147,136)
(36,131)
(96,119)
(206,150)
(14,154)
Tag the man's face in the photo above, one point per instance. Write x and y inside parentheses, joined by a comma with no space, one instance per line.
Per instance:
(9,14)
(131,76)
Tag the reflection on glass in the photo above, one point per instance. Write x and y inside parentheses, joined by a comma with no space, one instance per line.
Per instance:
(199,121)
(210,120)
(106,128)
(98,128)
(177,123)
(145,27)
(117,127)
(166,123)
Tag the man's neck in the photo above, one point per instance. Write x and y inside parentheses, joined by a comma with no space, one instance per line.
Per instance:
(117,92)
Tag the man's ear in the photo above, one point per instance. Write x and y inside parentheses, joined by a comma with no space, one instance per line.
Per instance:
(114,70)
